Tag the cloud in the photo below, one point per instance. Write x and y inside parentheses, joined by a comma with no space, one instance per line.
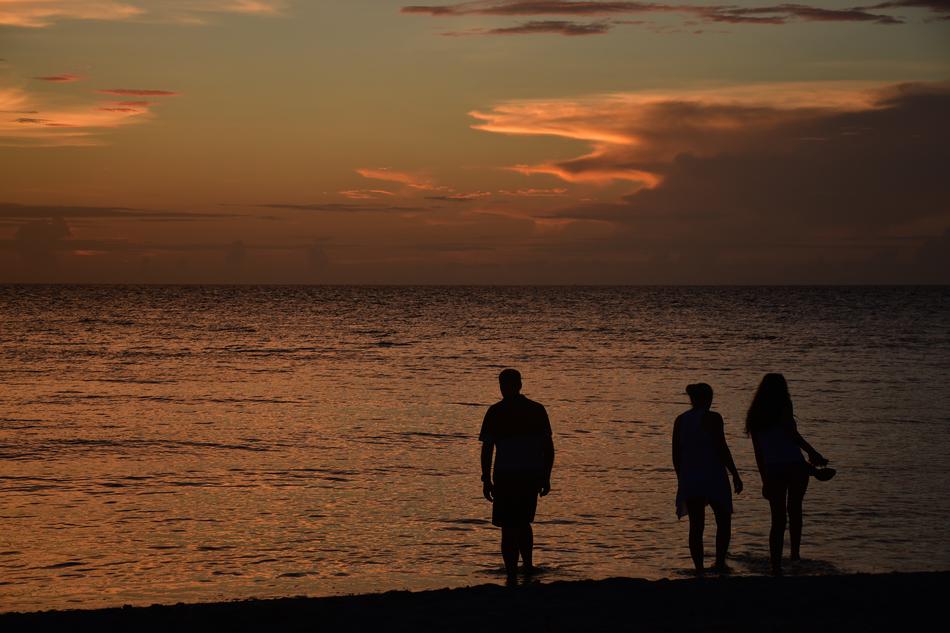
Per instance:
(783,13)
(40,211)
(635,136)
(811,193)
(940,7)
(366,194)
(412,181)
(43,13)
(461,197)
(731,14)
(535,193)
(64,78)
(137,92)
(340,207)
(561,27)
(52,123)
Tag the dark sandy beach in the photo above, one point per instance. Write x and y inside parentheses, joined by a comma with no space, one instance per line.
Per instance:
(819,603)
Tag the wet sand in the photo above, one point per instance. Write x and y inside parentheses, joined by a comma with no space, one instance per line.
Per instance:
(885,602)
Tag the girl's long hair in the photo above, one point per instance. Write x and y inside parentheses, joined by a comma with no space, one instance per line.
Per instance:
(769,401)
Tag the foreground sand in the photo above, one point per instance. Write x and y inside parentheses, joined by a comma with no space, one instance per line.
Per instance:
(891,602)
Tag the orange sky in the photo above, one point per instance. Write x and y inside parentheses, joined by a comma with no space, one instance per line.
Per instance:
(371,141)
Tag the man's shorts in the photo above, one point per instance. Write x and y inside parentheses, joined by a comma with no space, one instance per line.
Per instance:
(516,499)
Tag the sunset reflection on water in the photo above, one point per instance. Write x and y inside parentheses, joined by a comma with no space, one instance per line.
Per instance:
(189,443)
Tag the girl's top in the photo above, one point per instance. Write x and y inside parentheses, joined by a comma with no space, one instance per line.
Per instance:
(777,444)
(701,473)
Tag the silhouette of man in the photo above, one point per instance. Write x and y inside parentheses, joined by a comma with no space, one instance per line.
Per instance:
(518,431)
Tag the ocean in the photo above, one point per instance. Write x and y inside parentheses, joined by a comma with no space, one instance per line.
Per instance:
(193,443)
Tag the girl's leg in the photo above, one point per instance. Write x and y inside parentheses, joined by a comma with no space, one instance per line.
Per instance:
(526,547)
(796,494)
(777,533)
(696,507)
(723,533)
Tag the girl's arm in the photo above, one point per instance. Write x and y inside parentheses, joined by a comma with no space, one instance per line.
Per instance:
(676,446)
(725,455)
(759,461)
(814,456)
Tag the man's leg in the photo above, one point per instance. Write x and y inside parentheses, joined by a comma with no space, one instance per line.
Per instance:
(526,547)
(509,549)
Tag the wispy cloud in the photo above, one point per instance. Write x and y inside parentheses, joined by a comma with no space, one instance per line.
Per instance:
(461,197)
(560,27)
(940,7)
(43,13)
(730,14)
(36,121)
(535,193)
(636,136)
(366,194)
(340,207)
(62,79)
(137,92)
(41,211)
(412,181)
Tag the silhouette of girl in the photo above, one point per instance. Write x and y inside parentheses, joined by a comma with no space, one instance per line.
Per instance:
(778,453)
(701,458)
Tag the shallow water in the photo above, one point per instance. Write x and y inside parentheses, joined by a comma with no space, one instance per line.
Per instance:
(162,444)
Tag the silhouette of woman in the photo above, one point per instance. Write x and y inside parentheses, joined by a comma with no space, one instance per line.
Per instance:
(701,458)
(778,453)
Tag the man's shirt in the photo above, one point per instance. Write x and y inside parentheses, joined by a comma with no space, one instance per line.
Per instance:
(519,429)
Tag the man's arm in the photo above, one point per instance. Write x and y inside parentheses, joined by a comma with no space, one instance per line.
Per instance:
(547,447)
(488,447)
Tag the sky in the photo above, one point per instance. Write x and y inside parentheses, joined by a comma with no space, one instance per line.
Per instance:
(482,142)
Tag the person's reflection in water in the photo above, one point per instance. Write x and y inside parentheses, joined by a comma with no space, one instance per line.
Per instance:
(701,458)
(778,453)
(517,430)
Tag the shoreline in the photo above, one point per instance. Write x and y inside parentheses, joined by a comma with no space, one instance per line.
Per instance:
(859,602)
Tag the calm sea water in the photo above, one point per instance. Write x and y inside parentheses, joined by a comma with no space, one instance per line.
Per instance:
(163,444)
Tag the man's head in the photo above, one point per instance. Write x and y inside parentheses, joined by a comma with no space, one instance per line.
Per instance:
(509,380)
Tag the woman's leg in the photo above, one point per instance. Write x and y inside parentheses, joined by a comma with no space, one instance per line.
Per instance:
(796,494)
(696,507)
(723,533)
(777,495)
